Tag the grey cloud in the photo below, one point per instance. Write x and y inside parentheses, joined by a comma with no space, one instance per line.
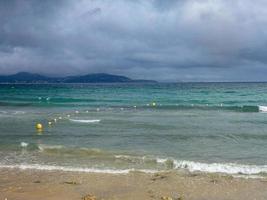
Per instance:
(171,40)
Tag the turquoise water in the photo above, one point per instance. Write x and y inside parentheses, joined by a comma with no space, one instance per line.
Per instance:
(209,127)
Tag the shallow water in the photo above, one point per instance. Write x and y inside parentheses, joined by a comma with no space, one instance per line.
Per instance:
(213,127)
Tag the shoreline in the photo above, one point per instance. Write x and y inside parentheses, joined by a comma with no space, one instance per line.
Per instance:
(224,169)
(40,184)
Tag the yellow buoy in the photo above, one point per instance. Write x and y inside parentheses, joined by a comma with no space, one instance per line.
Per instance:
(39,126)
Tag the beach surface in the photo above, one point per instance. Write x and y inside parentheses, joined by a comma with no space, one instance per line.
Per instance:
(56,185)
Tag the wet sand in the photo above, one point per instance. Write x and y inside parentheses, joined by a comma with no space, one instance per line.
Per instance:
(56,185)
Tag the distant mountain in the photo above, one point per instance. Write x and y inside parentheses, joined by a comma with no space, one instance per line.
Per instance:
(97,78)
(25,77)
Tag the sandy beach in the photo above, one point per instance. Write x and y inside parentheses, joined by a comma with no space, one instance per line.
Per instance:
(57,185)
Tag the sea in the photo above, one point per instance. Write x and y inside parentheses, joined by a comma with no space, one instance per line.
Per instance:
(118,128)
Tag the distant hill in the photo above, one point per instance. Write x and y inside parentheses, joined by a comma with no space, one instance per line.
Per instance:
(25,77)
(97,78)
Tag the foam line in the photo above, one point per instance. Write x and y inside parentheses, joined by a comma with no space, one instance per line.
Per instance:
(85,120)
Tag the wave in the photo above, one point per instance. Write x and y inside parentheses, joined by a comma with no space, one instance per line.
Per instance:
(85,120)
(72,151)
(237,108)
(249,171)
(133,162)
(65,150)
(263,108)
(24,144)
(243,108)
(209,106)
(43,147)
(18,112)
(227,168)
(204,107)
(5,113)
(68,169)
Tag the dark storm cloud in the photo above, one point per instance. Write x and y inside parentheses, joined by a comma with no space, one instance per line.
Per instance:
(191,40)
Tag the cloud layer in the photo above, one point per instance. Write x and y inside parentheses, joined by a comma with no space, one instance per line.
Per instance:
(187,40)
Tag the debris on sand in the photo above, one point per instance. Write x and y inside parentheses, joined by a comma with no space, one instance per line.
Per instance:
(89,197)
(158,176)
(170,198)
(166,198)
(37,181)
(71,182)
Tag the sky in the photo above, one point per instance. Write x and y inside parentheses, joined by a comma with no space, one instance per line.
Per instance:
(164,40)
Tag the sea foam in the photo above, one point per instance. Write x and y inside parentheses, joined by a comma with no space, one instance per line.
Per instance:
(232,169)
(24,144)
(227,168)
(85,120)
(263,108)
(72,169)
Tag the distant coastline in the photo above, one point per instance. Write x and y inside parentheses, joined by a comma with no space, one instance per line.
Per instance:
(25,78)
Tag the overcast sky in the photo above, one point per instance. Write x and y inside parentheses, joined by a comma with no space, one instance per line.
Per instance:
(183,40)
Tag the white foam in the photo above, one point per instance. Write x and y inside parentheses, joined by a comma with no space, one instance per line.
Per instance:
(85,120)
(24,144)
(42,147)
(250,171)
(72,169)
(161,160)
(263,108)
(228,168)
(19,112)
(241,171)
(122,156)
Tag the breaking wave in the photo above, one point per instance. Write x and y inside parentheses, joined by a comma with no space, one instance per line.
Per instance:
(227,168)
(224,168)
(263,108)
(85,120)
(115,162)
